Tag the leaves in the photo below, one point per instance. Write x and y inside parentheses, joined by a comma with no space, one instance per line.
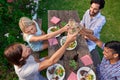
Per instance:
(73,64)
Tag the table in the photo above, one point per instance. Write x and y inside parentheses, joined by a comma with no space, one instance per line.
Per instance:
(75,54)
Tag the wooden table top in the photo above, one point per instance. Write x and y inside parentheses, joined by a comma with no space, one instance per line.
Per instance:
(81,48)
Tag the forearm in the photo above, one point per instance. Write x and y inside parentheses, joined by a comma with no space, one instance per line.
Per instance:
(92,38)
(54,58)
(59,53)
(52,34)
(46,36)
(88,31)
(96,40)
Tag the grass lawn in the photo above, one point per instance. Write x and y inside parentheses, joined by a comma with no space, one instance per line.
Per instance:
(110,31)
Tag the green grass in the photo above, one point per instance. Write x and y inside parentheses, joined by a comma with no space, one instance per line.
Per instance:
(110,31)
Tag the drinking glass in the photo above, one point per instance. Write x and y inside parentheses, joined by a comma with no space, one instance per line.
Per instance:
(74,26)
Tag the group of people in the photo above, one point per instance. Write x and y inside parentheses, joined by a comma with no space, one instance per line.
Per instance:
(28,67)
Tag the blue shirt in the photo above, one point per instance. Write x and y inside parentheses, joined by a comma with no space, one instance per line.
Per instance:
(107,71)
(35,46)
(96,23)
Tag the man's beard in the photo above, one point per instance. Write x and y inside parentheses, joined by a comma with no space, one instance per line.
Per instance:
(93,14)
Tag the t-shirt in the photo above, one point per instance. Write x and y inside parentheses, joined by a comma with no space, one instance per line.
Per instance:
(29,71)
(35,46)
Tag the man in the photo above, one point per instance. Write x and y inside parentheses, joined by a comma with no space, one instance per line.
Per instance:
(109,69)
(28,68)
(93,22)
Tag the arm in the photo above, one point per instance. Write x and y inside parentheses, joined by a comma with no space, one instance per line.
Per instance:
(96,26)
(47,36)
(92,38)
(57,55)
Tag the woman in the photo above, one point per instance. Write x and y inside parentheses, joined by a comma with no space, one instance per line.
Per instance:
(28,68)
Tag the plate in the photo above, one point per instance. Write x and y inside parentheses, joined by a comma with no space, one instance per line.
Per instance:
(71,46)
(53,29)
(55,71)
(86,73)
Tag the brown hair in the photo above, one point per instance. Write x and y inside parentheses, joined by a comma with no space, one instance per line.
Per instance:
(13,54)
(24,22)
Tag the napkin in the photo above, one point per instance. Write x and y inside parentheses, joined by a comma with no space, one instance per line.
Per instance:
(86,60)
(52,41)
(55,20)
(72,76)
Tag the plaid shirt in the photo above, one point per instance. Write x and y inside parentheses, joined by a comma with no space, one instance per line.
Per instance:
(107,71)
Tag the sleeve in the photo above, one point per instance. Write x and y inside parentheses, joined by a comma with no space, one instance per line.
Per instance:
(28,37)
(103,46)
(85,16)
(82,22)
(31,67)
(100,23)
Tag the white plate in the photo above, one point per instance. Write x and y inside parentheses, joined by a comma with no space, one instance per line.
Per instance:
(50,30)
(90,71)
(53,75)
(62,41)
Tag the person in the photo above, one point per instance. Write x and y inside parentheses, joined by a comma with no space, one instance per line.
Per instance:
(93,21)
(26,67)
(34,36)
(109,69)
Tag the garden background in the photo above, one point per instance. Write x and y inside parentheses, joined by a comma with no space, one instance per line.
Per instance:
(11,11)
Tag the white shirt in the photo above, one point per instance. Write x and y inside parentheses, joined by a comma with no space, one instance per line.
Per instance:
(29,71)
(96,23)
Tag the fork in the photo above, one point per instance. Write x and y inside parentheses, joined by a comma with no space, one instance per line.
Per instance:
(87,72)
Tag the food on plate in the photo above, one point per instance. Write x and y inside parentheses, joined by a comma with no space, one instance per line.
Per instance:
(83,72)
(86,75)
(59,71)
(71,45)
(54,29)
(55,78)
(52,70)
(82,79)
(89,77)
(56,72)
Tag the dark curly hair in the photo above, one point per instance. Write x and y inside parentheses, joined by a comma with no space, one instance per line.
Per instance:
(100,2)
(114,45)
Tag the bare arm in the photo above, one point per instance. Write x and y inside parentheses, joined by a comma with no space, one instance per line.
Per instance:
(57,55)
(50,35)
(92,38)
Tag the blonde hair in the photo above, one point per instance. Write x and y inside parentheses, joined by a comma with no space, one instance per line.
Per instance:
(24,22)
